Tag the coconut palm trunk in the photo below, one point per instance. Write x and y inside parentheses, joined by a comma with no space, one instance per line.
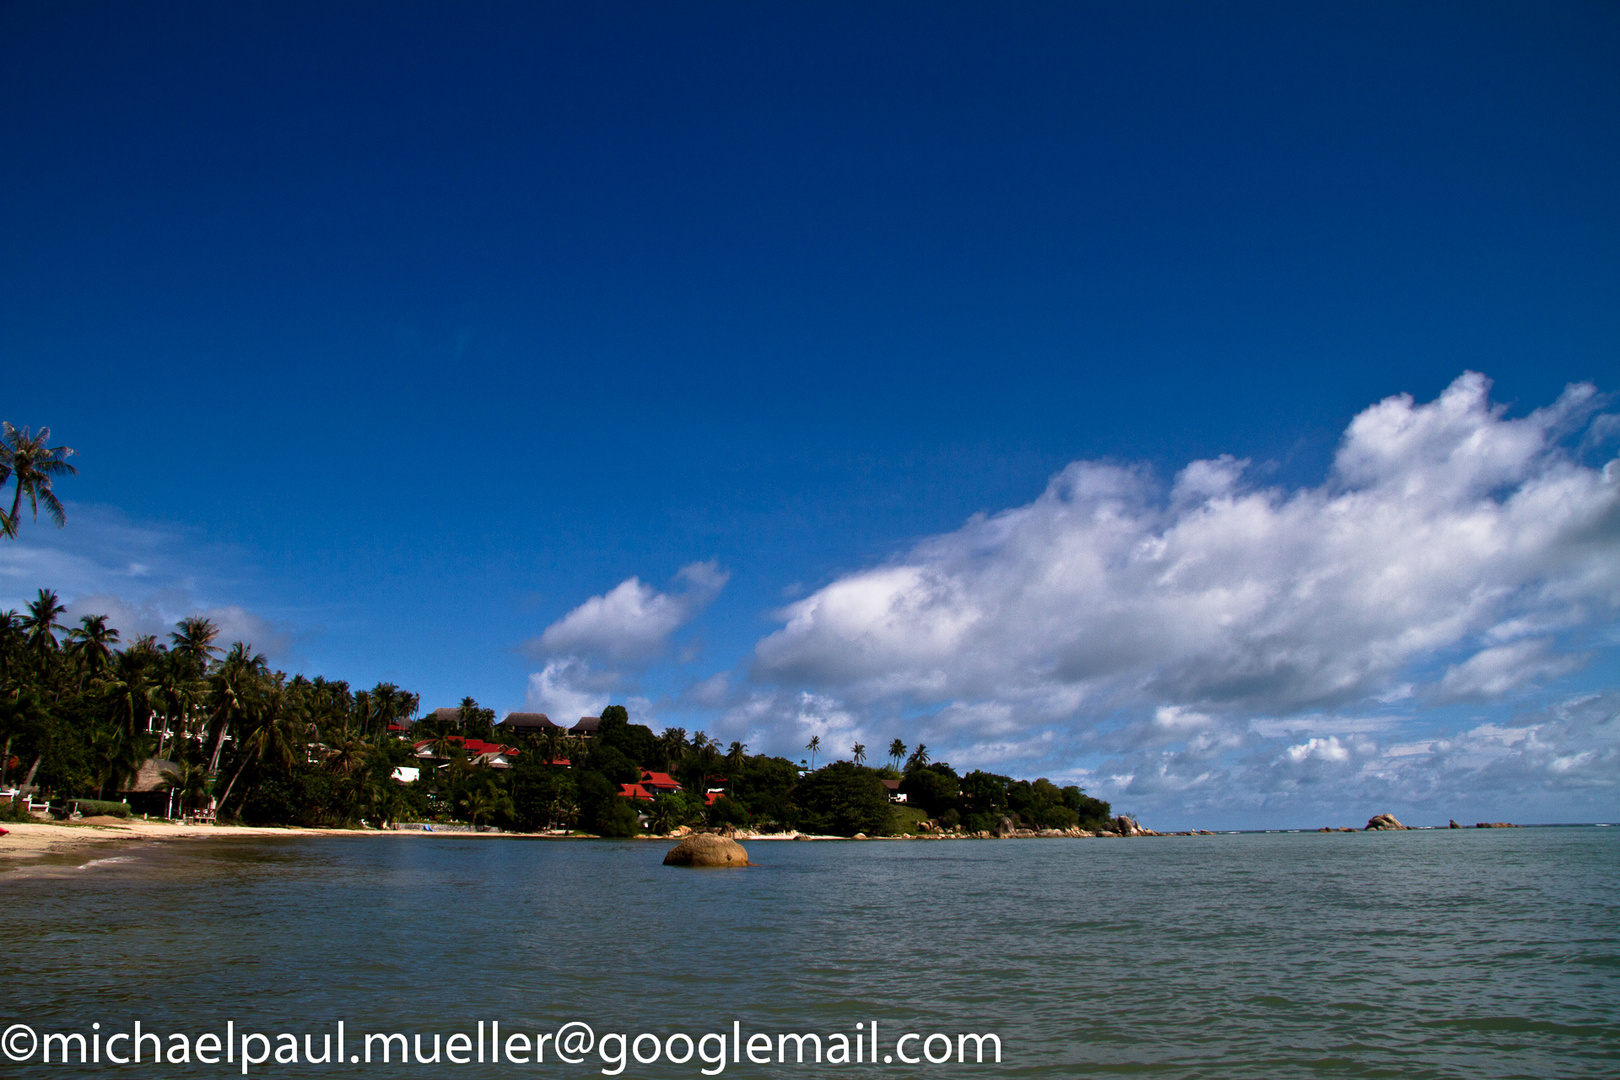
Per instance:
(234,776)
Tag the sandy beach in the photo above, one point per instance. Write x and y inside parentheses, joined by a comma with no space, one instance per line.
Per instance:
(27,842)
(30,842)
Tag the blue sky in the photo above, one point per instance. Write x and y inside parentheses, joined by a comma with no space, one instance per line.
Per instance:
(401,338)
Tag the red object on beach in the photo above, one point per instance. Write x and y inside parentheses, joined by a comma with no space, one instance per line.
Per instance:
(5,832)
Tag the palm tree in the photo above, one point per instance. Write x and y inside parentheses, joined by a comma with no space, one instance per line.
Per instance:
(387,802)
(26,460)
(193,639)
(347,756)
(178,692)
(484,801)
(277,733)
(131,692)
(231,692)
(672,744)
(551,744)
(189,781)
(858,753)
(814,746)
(91,644)
(40,622)
(897,752)
(918,758)
(669,812)
(735,755)
(115,755)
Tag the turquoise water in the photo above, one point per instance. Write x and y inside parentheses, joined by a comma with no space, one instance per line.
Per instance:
(1418,954)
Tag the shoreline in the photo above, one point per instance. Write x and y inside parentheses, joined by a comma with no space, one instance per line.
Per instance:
(33,843)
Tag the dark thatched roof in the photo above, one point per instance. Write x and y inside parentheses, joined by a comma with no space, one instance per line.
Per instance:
(529,721)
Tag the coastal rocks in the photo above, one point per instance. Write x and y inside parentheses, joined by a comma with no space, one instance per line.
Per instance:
(1004,828)
(1127,826)
(1454,824)
(1494,825)
(1382,822)
(707,851)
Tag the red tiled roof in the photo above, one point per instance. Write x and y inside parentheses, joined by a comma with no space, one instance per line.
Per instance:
(474,747)
(634,791)
(710,798)
(659,780)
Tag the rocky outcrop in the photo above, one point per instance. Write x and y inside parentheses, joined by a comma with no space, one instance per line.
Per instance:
(707,851)
(1382,822)
(1454,824)
(1127,826)
(1494,825)
(1004,828)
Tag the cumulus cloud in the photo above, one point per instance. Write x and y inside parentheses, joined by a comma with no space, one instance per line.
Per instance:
(1216,640)
(633,621)
(567,688)
(1440,523)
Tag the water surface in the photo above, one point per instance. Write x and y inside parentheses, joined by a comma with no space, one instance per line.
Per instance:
(1420,954)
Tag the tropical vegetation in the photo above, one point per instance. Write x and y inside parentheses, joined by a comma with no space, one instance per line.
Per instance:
(82,711)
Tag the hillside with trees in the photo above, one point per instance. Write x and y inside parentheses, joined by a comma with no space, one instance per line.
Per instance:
(84,713)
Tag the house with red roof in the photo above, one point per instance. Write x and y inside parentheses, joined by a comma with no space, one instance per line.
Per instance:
(659,783)
(480,752)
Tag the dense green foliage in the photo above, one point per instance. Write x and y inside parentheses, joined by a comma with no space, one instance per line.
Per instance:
(79,715)
(80,712)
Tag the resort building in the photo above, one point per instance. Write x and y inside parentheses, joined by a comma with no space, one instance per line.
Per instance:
(495,755)
(530,723)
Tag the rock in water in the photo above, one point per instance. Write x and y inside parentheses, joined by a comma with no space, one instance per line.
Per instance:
(1127,826)
(1382,821)
(706,850)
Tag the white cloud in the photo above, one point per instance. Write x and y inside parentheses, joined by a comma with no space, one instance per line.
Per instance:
(144,577)
(1221,644)
(633,621)
(567,689)
(1438,523)
(1491,673)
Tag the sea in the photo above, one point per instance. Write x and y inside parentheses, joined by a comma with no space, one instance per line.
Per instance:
(1450,953)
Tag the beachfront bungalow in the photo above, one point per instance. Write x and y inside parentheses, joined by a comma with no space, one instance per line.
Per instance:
(586,728)
(635,791)
(893,788)
(148,790)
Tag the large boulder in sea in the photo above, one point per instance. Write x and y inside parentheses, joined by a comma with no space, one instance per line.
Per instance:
(1380,822)
(707,850)
(1127,826)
